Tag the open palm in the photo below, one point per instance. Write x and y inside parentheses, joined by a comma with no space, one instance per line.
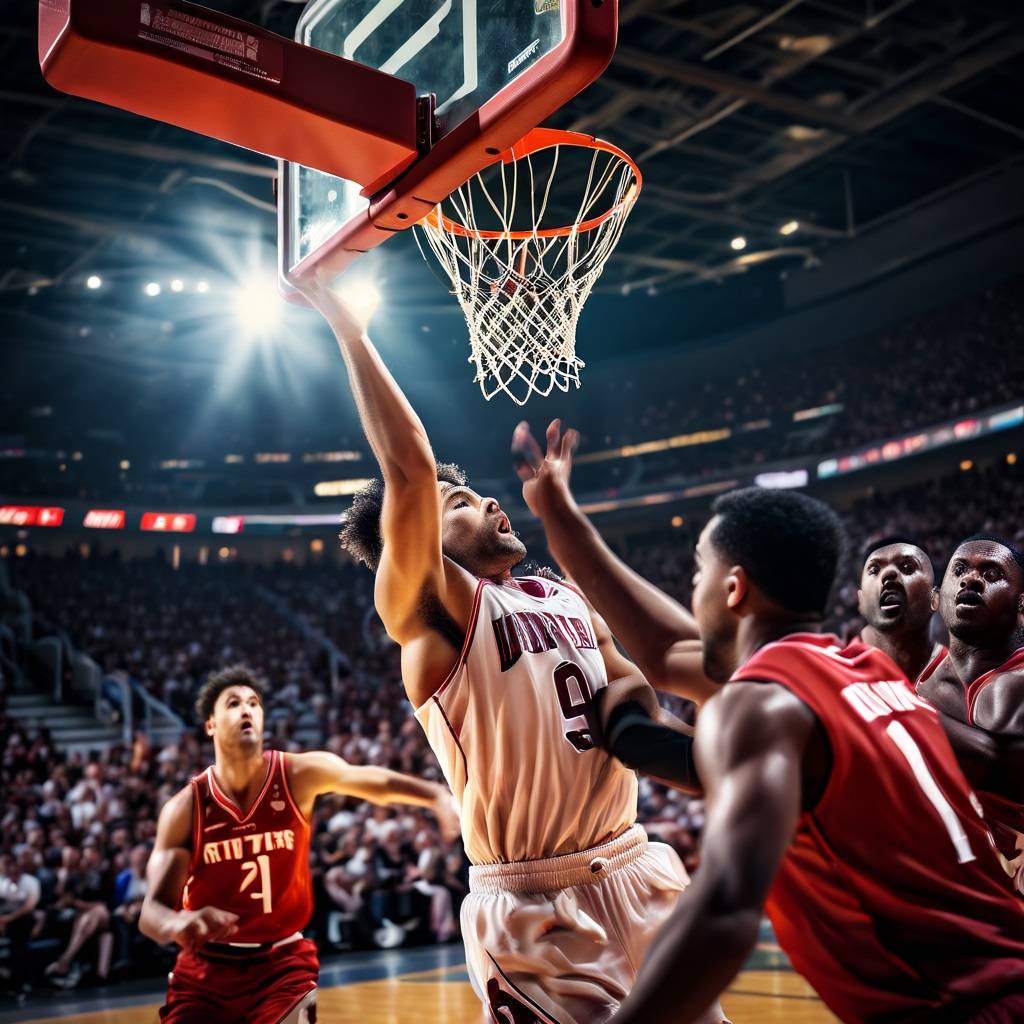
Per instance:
(546,475)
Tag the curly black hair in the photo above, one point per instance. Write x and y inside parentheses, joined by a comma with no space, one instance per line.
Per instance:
(218,682)
(360,534)
(789,543)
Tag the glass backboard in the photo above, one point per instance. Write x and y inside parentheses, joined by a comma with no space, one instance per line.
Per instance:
(464,52)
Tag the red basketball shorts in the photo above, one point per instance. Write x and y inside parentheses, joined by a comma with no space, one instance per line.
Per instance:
(259,989)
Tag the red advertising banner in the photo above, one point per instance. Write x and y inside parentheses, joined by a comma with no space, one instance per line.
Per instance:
(30,515)
(169,522)
(104,519)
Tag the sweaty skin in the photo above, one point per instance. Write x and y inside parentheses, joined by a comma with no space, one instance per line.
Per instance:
(439,540)
(236,727)
(762,757)
(659,634)
(981,601)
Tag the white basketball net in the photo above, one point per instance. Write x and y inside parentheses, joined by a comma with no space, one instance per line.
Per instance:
(521,288)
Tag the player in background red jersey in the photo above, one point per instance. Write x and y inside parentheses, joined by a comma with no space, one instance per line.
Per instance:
(896,595)
(834,798)
(979,685)
(229,876)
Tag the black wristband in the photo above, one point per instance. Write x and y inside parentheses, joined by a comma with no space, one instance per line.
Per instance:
(647,746)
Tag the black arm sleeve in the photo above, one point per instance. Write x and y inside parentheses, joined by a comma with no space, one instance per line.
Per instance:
(647,746)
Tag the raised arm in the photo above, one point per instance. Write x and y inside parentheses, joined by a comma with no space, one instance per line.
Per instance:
(658,632)
(166,874)
(411,563)
(317,772)
(750,743)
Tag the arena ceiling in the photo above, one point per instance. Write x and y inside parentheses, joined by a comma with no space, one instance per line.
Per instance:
(830,115)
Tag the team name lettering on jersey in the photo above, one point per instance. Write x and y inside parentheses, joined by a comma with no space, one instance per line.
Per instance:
(537,632)
(247,846)
(881,699)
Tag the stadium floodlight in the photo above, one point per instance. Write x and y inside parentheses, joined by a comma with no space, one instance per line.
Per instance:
(258,307)
(739,243)
(363,297)
(791,227)
(93,281)
(153,289)
(177,285)
(202,287)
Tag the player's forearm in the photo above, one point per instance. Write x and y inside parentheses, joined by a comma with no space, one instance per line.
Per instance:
(159,922)
(383,786)
(646,621)
(393,429)
(698,952)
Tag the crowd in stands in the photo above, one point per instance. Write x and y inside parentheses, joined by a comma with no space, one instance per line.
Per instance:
(966,352)
(76,831)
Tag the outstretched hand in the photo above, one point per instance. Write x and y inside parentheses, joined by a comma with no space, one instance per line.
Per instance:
(545,476)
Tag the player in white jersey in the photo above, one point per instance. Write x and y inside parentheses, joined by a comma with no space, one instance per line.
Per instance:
(566,892)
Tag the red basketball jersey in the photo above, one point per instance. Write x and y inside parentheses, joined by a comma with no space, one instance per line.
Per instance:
(1004,816)
(254,865)
(890,899)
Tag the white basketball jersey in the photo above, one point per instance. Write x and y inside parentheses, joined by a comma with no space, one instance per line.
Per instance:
(509,730)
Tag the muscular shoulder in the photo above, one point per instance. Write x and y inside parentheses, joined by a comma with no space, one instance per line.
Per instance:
(751,718)
(176,818)
(1000,704)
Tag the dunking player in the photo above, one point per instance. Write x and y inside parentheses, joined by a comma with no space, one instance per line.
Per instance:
(979,685)
(832,794)
(897,597)
(566,893)
(229,877)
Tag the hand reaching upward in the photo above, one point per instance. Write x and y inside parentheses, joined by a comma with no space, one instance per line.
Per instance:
(328,302)
(545,477)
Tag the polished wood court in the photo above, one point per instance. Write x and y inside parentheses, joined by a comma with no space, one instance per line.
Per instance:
(428,986)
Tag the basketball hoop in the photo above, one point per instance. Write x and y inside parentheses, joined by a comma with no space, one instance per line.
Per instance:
(522,264)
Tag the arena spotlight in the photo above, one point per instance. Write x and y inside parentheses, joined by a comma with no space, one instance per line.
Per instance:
(363,296)
(93,281)
(258,307)
(738,243)
(177,285)
(153,289)
(202,287)
(791,227)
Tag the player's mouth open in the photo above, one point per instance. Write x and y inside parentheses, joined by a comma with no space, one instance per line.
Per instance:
(892,598)
(504,526)
(970,598)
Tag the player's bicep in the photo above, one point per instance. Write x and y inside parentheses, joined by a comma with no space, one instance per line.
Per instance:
(411,558)
(749,748)
(167,869)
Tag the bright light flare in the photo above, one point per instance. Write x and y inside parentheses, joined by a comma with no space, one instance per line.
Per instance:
(363,297)
(202,287)
(153,289)
(177,285)
(258,307)
(791,227)
(93,281)
(739,243)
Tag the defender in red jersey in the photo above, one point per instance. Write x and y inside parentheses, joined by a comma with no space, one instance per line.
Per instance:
(229,877)
(979,685)
(897,597)
(834,801)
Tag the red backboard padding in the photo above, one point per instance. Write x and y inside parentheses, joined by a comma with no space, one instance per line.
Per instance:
(201,70)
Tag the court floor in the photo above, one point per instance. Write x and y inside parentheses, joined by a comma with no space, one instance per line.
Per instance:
(424,985)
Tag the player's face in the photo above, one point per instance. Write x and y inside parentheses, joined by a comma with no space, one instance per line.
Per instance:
(981,598)
(476,534)
(237,720)
(716,622)
(897,589)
